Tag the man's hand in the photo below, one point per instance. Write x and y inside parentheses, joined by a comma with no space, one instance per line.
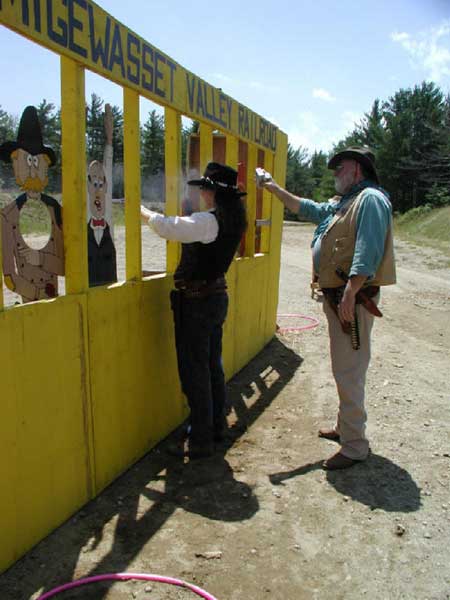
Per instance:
(262,177)
(346,308)
(33,257)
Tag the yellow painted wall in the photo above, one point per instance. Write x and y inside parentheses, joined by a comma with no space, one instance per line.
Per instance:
(89,384)
(89,380)
(45,466)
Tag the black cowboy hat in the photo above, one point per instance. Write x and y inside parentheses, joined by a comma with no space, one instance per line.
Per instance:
(29,138)
(218,176)
(361,154)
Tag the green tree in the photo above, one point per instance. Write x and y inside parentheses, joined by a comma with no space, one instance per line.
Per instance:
(8,129)
(117,114)
(186,131)
(8,126)
(95,136)
(152,144)
(414,154)
(299,180)
(152,157)
(322,177)
(50,121)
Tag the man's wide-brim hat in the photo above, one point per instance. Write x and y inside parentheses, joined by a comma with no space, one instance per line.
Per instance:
(363,155)
(217,176)
(29,138)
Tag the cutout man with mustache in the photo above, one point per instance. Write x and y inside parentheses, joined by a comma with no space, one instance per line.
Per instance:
(31,273)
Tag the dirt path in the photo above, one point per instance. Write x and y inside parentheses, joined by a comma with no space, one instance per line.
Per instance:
(262,519)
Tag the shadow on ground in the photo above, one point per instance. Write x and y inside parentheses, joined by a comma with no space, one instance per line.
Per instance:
(207,487)
(377,482)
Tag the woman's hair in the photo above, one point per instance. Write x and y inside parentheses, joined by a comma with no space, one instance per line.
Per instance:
(230,211)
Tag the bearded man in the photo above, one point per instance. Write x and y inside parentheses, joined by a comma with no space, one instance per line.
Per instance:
(353,256)
(29,272)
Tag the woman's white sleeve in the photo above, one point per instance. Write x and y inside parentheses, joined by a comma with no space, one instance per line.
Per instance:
(198,227)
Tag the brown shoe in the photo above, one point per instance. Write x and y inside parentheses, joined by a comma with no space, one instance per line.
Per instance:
(329,434)
(339,461)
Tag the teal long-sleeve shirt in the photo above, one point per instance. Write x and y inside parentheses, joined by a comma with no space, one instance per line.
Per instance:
(372,223)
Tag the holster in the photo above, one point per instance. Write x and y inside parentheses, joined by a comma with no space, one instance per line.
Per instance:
(334,296)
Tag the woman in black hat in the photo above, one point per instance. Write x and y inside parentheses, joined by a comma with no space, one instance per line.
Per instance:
(209,239)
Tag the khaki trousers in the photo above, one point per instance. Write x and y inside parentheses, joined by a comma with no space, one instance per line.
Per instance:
(349,368)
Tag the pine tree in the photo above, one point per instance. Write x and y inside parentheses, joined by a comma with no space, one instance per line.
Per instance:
(152,157)
(95,136)
(50,121)
(299,180)
(8,129)
(415,151)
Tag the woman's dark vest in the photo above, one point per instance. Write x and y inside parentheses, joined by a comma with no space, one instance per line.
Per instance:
(207,262)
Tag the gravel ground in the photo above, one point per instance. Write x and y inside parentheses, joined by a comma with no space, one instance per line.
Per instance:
(262,519)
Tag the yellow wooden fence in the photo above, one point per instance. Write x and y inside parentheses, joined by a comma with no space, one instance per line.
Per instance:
(88,380)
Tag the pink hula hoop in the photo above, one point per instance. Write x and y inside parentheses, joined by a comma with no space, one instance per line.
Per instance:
(126,577)
(313,323)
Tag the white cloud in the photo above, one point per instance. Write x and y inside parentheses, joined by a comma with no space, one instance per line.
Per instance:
(313,133)
(349,119)
(221,77)
(323,95)
(429,50)
(305,132)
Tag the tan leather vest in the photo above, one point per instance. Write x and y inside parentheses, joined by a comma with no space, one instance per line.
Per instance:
(338,246)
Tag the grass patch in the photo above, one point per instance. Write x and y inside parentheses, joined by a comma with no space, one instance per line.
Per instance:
(426,226)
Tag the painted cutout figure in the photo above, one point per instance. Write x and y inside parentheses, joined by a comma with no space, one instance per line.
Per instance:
(101,249)
(29,272)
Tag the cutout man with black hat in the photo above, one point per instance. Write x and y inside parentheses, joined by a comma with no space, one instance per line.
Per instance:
(31,273)
(352,257)
(209,239)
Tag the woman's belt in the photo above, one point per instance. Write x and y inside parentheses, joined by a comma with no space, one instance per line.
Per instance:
(199,288)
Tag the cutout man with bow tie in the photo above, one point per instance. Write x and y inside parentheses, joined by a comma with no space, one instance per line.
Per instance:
(101,249)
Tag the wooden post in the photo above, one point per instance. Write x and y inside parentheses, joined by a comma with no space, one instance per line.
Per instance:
(277,212)
(74,186)
(251,200)
(232,151)
(1,266)
(206,146)
(132,177)
(267,206)
(172,149)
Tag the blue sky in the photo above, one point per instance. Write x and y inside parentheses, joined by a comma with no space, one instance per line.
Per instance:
(312,67)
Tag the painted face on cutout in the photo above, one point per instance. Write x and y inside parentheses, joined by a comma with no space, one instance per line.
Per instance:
(30,171)
(97,189)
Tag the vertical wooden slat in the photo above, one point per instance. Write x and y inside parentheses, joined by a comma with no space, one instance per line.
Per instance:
(74,195)
(132,177)
(172,150)
(267,206)
(74,189)
(279,174)
(1,267)
(251,200)
(206,145)
(232,151)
